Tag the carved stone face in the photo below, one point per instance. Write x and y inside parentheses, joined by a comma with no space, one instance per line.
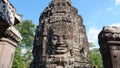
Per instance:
(61,43)
(61,38)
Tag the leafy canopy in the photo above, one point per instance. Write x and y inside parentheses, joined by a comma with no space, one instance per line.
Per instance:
(23,55)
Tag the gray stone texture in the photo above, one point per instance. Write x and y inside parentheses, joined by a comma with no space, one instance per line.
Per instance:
(60,40)
(8,15)
(109,41)
(9,36)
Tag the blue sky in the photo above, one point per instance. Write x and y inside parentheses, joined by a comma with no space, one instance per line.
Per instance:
(95,13)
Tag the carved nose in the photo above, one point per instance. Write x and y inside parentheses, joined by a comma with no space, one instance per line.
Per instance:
(60,41)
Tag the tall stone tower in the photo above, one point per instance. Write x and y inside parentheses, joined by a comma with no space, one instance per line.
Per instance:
(60,40)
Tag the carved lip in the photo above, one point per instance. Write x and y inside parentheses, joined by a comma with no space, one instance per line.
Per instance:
(61,51)
(61,45)
(61,48)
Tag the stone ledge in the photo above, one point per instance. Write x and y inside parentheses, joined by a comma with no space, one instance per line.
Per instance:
(113,42)
(9,41)
(13,33)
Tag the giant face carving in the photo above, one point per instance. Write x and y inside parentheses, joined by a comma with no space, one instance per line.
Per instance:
(61,39)
(61,43)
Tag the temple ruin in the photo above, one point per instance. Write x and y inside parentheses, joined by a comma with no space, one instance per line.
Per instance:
(60,39)
(109,41)
(9,36)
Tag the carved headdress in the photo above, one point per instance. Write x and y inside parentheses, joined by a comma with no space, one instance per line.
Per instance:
(60,28)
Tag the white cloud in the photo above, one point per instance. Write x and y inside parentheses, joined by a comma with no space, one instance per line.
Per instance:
(117,2)
(94,31)
(115,24)
(93,34)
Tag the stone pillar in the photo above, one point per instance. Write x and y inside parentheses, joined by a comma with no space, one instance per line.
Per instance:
(9,36)
(109,41)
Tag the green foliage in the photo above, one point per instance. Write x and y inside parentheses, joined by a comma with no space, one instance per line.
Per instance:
(26,28)
(95,56)
(22,60)
(91,45)
(18,61)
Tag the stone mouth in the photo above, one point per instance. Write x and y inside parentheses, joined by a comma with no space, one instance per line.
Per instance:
(61,50)
(61,45)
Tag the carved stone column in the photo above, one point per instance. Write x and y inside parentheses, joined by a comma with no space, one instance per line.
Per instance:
(8,44)
(109,41)
(9,36)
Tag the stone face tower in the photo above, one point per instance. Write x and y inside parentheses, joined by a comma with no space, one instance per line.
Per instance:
(60,40)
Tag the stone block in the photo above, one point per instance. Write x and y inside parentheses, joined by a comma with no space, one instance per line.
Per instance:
(7,49)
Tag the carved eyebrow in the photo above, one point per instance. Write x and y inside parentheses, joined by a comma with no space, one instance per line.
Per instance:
(59,35)
(66,36)
(55,35)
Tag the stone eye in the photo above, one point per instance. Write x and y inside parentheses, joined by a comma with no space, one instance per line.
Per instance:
(54,37)
(65,37)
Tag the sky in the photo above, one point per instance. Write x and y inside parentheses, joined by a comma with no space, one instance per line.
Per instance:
(95,13)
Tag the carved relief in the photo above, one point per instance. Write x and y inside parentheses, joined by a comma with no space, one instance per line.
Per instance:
(8,13)
(109,41)
(60,40)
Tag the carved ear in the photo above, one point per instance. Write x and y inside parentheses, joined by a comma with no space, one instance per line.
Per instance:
(82,50)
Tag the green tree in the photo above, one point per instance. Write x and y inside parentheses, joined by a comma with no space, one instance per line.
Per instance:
(95,56)
(23,59)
